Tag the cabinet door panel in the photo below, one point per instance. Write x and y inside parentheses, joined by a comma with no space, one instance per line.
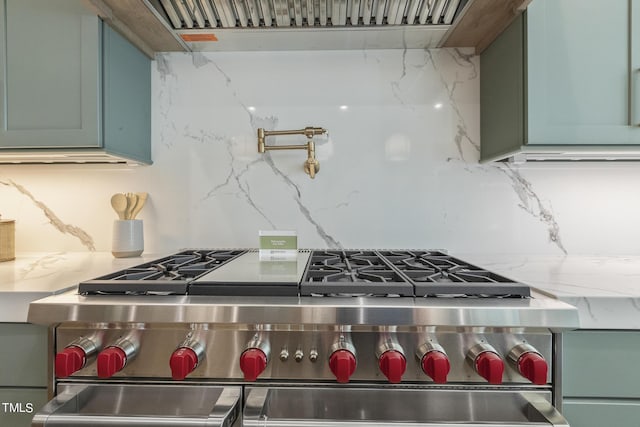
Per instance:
(19,405)
(578,72)
(127,98)
(50,71)
(601,364)
(601,412)
(24,355)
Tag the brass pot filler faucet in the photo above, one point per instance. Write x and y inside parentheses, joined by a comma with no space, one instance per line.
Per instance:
(311,165)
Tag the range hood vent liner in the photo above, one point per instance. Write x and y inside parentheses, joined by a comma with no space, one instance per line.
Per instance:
(208,14)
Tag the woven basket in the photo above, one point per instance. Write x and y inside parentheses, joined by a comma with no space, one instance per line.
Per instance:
(7,239)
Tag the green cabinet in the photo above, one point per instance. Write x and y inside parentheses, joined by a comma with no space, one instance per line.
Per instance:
(599,378)
(50,74)
(19,405)
(126,86)
(564,79)
(23,377)
(70,85)
(24,355)
(601,412)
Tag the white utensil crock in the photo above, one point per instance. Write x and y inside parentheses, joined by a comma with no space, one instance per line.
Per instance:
(128,238)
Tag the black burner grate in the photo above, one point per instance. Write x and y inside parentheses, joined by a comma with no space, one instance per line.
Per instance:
(168,276)
(352,273)
(436,274)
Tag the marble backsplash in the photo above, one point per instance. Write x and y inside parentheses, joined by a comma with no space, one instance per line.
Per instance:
(399,168)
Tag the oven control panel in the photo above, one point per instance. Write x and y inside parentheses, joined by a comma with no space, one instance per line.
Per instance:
(330,354)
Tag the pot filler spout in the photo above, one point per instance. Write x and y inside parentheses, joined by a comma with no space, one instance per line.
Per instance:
(311,165)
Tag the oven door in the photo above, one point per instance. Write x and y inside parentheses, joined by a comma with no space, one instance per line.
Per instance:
(351,407)
(141,405)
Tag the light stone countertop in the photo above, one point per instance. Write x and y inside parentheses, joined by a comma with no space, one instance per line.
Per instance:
(35,275)
(605,289)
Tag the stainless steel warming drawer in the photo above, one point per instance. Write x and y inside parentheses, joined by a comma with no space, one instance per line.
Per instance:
(141,405)
(359,407)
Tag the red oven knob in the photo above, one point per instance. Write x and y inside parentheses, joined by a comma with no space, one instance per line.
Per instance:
(490,367)
(343,364)
(70,360)
(393,364)
(182,362)
(436,365)
(252,363)
(533,367)
(110,360)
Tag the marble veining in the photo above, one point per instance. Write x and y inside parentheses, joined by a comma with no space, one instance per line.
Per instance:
(587,304)
(35,275)
(569,276)
(329,240)
(200,60)
(395,84)
(399,168)
(578,288)
(163,66)
(465,60)
(42,266)
(271,122)
(54,220)
(241,185)
(532,204)
(605,289)
(462,133)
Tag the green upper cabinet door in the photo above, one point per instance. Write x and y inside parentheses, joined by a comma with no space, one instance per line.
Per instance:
(126,100)
(583,61)
(562,82)
(49,74)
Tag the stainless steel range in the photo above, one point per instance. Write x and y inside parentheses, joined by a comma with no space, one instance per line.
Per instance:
(334,338)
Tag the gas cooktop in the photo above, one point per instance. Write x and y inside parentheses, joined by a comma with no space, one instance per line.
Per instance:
(315,273)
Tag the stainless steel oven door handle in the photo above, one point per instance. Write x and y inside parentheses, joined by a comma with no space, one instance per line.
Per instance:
(227,408)
(142,406)
(542,410)
(272,407)
(59,402)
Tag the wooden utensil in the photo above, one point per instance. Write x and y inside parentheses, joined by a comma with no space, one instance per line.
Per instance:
(141,199)
(132,199)
(119,204)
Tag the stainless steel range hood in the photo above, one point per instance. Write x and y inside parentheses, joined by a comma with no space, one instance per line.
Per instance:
(232,25)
